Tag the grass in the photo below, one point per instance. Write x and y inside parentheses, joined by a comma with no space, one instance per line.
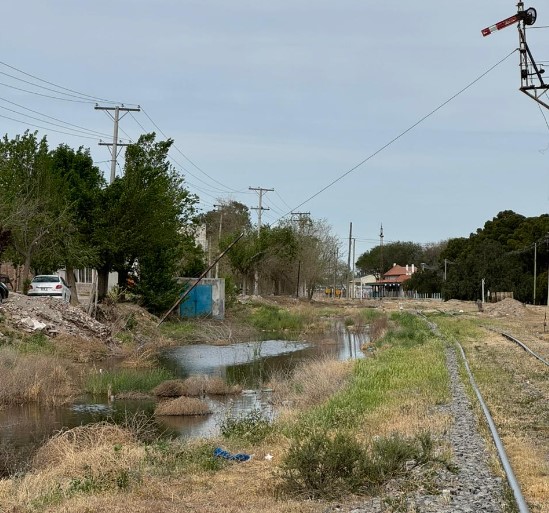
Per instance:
(125,380)
(35,377)
(195,386)
(275,319)
(406,376)
(362,421)
(182,406)
(499,365)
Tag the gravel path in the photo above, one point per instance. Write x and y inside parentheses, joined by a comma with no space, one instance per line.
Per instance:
(472,489)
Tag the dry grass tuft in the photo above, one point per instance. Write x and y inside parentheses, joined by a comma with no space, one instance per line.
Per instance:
(35,378)
(85,460)
(378,328)
(170,388)
(312,382)
(182,406)
(195,386)
(66,445)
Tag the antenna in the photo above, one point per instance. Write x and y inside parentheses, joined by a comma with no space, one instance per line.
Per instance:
(531,79)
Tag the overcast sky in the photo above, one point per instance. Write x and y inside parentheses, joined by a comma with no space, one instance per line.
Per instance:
(292,95)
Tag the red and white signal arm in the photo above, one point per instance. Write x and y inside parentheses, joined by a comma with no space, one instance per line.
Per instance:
(529,16)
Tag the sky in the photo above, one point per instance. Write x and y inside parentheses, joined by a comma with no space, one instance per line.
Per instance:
(295,95)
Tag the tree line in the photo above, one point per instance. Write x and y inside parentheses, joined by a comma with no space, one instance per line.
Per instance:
(58,212)
(507,253)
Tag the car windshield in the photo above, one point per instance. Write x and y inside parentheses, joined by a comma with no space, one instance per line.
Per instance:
(45,279)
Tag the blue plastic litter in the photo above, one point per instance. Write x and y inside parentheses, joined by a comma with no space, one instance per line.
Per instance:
(221,453)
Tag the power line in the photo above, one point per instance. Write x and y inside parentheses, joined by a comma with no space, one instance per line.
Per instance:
(50,129)
(404,132)
(95,98)
(187,158)
(49,117)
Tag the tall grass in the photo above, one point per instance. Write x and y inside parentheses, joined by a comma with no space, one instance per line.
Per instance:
(35,378)
(126,380)
(275,319)
(361,437)
(408,370)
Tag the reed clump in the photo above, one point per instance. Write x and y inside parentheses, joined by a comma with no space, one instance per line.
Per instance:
(311,383)
(182,406)
(39,378)
(195,386)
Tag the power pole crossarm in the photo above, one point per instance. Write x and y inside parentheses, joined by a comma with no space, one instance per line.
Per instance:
(259,209)
(115,142)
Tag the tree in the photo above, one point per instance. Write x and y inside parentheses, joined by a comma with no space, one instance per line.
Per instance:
(29,194)
(146,214)
(401,253)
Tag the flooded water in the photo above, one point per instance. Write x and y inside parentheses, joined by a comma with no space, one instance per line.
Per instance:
(23,428)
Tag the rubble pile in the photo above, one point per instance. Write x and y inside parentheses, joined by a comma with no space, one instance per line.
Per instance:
(52,316)
(506,308)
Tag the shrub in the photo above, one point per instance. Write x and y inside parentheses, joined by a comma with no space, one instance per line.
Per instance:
(250,428)
(329,466)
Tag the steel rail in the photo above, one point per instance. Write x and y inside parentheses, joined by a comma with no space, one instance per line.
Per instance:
(521,344)
(511,478)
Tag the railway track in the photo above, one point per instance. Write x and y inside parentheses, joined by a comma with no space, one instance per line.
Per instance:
(512,481)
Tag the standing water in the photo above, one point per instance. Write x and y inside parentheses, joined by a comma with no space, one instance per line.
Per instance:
(250,365)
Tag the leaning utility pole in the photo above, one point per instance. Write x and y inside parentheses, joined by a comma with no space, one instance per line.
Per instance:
(259,209)
(115,142)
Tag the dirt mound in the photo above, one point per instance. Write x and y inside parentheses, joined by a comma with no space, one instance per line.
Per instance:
(52,317)
(506,308)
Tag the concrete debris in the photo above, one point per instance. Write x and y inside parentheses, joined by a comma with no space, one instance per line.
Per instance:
(52,316)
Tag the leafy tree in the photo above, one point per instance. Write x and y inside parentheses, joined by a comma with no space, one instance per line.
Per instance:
(28,206)
(401,253)
(146,215)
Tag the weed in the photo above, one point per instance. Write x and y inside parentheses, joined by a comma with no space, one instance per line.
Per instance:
(329,466)
(169,457)
(126,380)
(250,428)
(36,343)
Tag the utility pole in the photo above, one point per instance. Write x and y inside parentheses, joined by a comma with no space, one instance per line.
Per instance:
(115,142)
(535,269)
(353,273)
(259,209)
(335,274)
(302,218)
(218,238)
(381,259)
(349,260)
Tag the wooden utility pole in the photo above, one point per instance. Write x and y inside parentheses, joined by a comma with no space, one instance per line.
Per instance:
(115,142)
(349,260)
(259,209)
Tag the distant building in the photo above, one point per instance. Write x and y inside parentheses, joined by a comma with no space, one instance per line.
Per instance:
(391,283)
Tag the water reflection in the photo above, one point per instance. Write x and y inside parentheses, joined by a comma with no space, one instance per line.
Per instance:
(251,365)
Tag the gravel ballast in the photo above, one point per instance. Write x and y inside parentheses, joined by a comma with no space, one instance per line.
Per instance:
(471,487)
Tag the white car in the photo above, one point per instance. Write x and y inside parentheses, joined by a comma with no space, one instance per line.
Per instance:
(49,285)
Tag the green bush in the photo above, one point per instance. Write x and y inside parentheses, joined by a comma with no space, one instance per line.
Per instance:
(321,465)
(251,428)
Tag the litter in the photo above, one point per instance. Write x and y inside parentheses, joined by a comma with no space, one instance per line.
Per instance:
(220,453)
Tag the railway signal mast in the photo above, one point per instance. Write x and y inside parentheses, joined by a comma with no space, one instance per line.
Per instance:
(531,74)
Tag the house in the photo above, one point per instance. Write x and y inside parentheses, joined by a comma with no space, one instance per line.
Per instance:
(391,283)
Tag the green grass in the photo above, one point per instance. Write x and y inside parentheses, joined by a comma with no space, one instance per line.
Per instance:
(36,343)
(411,361)
(126,380)
(180,331)
(275,319)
